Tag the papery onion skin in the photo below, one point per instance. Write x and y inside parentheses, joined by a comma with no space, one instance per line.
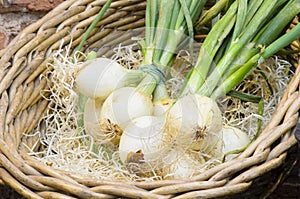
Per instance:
(195,122)
(183,166)
(125,104)
(92,125)
(91,116)
(233,139)
(144,135)
(97,78)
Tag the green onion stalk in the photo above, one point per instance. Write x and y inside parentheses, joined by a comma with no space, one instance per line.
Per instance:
(209,15)
(255,31)
(167,24)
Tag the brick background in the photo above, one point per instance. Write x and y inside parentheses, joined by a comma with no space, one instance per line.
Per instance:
(15,15)
(4,39)
(28,5)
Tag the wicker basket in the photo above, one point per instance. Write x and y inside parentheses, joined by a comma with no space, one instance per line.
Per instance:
(255,173)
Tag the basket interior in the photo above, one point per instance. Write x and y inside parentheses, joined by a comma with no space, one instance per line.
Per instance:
(22,107)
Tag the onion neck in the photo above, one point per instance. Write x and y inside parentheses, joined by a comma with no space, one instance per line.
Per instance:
(160,92)
(133,77)
(148,84)
(153,76)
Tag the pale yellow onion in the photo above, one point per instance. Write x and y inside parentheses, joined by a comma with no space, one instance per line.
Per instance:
(195,122)
(123,105)
(97,78)
(234,139)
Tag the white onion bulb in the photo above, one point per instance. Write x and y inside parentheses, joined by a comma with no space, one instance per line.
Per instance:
(162,106)
(92,125)
(123,105)
(195,122)
(144,136)
(234,139)
(97,78)
(183,166)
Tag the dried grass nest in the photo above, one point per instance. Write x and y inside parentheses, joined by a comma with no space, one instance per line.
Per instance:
(42,156)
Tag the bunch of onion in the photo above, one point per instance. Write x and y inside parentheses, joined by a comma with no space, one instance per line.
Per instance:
(116,96)
(152,139)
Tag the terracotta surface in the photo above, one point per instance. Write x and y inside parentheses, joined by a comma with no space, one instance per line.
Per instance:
(28,5)
(4,39)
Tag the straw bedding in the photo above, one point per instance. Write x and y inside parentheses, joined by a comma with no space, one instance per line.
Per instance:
(22,106)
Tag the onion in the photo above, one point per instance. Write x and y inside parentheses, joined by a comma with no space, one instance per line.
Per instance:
(92,125)
(183,166)
(162,106)
(122,106)
(195,122)
(97,78)
(145,137)
(234,139)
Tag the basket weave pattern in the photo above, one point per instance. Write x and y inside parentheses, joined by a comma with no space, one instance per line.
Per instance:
(21,107)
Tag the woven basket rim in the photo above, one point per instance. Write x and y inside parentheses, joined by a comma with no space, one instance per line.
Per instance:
(25,59)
